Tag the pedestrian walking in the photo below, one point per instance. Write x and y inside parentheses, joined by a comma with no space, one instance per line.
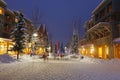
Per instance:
(45,57)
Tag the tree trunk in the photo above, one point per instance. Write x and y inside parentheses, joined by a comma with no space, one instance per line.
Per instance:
(17,55)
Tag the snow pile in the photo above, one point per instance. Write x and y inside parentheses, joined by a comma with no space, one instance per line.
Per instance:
(28,58)
(5,58)
(100,61)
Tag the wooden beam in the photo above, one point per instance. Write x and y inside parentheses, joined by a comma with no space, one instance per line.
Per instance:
(107,28)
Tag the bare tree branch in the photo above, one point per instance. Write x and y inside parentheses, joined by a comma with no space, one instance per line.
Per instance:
(36,17)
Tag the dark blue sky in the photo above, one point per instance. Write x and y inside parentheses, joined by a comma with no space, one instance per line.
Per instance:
(58,15)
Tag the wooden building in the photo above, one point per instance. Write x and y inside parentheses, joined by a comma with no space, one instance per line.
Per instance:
(8,21)
(43,43)
(102,31)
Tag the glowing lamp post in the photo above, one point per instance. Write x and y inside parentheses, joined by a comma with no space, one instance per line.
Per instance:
(49,50)
(35,34)
(35,40)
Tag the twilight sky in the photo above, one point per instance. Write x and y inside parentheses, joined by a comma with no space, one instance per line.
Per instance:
(58,15)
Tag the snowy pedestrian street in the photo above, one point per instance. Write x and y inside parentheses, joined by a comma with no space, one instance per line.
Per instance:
(59,70)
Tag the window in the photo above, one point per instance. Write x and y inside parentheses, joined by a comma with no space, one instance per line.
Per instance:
(16,20)
(1,11)
(96,17)
(109,8)
(117,17)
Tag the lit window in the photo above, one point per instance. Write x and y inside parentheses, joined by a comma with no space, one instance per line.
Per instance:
(100,52)
(16,20)
(1,10)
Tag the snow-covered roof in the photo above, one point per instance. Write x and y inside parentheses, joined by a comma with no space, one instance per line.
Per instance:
(3,2)
(117,40)
(27,19)
(100,5)
(9,11)
(5,39)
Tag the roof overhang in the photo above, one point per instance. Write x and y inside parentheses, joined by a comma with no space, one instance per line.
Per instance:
(3,3)
(100,28)
(4,39)
(103,2)
(8,11)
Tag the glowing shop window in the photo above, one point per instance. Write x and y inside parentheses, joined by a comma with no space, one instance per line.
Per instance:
(106,49)
(100,52)
(92,49)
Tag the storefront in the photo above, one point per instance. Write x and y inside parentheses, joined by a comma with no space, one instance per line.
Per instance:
(99,51)
(103,51)
(31,48)
(6,46)
(88,50)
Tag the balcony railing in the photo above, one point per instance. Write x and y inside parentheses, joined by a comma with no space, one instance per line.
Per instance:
(102,18)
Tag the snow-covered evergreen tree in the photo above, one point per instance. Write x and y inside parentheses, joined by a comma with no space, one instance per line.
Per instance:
(74,46)
(75,40)
(19,35)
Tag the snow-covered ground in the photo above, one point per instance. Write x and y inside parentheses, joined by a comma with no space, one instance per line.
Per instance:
(33,68)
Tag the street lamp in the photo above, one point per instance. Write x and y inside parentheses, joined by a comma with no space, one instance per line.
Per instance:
(49,50)
(34,41)
(35,34)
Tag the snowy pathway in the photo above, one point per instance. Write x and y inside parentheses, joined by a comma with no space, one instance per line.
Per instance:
(59,70)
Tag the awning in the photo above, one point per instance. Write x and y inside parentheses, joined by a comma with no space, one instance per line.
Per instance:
(4,39)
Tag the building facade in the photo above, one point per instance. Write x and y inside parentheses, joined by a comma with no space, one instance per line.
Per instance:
(43,42)
(102,31)
(6,24)
(8,21)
